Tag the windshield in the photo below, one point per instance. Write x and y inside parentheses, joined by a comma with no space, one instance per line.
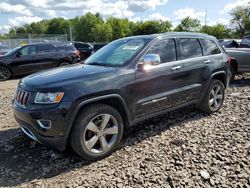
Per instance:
(117,53)
(12,51)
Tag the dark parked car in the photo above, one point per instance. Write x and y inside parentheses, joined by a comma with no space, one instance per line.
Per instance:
(98,46)
(132,79)
(85,49)
(36,57)
(240,57)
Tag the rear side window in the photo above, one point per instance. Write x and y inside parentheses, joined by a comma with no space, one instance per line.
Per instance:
(43,49)
(165,49)
(210,47)
(67,48)
(190,48)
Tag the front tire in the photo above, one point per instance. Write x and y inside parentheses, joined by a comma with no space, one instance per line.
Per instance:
(5,73)
(214,98)
(232,74)
(96,132)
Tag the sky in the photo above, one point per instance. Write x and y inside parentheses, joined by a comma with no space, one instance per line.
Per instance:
(19,12)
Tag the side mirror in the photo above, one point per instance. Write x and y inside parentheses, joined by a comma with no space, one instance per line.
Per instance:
(148,61)
(19,54)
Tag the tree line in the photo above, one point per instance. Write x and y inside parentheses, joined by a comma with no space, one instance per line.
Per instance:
(93,28)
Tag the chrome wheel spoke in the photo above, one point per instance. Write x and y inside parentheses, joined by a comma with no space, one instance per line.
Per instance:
(220,97)
(104,144)
(111,131)
(217,90)
(91,143)
(211,101)
(212,93)
(92,127)
(215,104)
(105,120)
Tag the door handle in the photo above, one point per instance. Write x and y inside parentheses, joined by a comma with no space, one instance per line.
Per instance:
(207,61)
(176,68)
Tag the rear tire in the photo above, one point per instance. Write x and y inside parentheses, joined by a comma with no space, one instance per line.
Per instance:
(97,131)
(214,98)
(5,73)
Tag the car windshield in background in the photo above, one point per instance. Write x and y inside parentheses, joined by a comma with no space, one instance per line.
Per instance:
(117,53)
(12,51)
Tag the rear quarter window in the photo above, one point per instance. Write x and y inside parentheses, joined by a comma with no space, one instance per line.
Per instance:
(190,48)
(66,48)
(210,47)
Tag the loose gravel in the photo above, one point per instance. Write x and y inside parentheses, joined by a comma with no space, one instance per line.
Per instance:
(185,148)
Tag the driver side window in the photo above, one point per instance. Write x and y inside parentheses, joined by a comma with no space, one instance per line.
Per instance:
(165,49)
(28,50)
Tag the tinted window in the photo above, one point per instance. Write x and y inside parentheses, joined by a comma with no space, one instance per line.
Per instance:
(66,48)
(28,50)
(166,49)
(246,42)
(210,47)
(43,49)
(190,48)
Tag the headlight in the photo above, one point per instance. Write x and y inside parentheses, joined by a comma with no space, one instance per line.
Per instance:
(49,98)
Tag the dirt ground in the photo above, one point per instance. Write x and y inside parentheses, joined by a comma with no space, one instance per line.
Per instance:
(185,148)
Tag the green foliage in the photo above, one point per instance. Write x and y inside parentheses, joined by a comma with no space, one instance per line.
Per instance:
(58,26)
(219,31)
(120,27)
(103,32)
(241,18)
(188,25)
(151,27)
(84,25)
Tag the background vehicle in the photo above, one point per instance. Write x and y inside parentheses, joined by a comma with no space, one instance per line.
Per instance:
(98,46)
(85,49)
(240,54)
(3,49)
(89,105)
(36,57)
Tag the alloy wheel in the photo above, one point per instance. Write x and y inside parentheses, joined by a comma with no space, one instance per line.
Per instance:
(216,97)
(101,133)
(4,73)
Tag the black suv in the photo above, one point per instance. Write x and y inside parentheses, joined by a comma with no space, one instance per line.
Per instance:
(35,57)
(131,79)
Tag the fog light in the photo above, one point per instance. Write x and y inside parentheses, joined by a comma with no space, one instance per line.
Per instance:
(45,124)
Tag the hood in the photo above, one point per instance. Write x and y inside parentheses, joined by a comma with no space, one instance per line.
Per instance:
(65,75)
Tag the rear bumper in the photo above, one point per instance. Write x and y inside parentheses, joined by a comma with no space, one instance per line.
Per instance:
(54,137)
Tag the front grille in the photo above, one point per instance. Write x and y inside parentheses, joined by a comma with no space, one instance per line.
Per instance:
(22,98)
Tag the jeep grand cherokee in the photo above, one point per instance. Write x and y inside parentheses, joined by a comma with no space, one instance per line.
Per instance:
(131,79)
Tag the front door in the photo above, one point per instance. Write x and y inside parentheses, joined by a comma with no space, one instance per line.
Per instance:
(162,86)
(23,62)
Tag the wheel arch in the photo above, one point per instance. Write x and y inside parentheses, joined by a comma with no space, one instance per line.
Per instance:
(113,100)
(222,76)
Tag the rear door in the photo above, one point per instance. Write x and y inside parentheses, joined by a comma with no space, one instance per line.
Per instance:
(46,56)
(195,65)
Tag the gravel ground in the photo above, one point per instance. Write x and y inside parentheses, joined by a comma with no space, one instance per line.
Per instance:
(185,148)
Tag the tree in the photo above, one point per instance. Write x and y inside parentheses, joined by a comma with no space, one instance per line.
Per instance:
(219,31)
(83,27)
(58,26)
(151,27)
(103,32)
(189,24)
(241,18)
(37,28)
(120,27)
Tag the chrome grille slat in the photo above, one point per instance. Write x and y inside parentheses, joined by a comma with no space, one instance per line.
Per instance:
(22,98)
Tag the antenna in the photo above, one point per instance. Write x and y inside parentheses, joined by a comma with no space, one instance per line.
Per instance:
(205,19)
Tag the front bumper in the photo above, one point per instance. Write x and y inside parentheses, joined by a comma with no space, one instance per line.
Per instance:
(55,137)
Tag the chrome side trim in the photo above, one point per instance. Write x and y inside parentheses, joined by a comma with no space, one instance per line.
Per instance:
(29,134)
(41,124)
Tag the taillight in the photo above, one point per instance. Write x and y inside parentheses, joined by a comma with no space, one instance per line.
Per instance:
(78,53)
(229,59)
